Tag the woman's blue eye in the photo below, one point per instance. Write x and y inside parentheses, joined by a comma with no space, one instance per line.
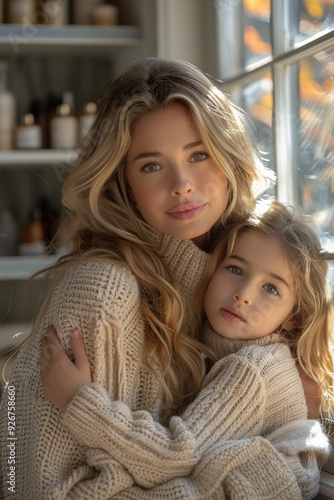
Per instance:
(150,167)
(271,289)
(199,157)
(235,270)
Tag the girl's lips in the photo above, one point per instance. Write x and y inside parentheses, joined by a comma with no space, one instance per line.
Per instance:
(232,315)
(187,211)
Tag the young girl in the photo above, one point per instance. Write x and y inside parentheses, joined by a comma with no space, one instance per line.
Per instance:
(267,305)
(167,155)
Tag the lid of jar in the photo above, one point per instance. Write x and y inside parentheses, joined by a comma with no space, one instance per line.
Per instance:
(90,108)
(28,119)
(63,109)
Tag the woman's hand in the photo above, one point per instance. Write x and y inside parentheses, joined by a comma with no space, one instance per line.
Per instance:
(62,378)
(312,394)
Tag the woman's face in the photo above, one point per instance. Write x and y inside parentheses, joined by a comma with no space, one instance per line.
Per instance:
(177,187)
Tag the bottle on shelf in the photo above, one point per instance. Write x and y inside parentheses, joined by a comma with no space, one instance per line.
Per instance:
(83,10)
(34,234)
(38,108)
(86,118)
(7,110)
(67,97)
(54,12)
(105,15)
(29,133)
(21,11)
(64,128)
(8,234)
(47,111)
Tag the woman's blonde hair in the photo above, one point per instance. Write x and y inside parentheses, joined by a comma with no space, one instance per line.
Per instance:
(101,219)
(312,337)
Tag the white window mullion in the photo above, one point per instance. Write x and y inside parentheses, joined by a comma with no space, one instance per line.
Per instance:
(285,120)
(285,111)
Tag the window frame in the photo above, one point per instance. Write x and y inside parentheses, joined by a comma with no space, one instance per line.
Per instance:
(286,51)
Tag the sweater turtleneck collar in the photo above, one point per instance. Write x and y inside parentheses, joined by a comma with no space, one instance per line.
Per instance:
(223,346)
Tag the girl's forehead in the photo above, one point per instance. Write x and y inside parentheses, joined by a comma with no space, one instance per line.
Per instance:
(262,251)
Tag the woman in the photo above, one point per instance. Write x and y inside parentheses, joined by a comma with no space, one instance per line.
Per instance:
(167,155)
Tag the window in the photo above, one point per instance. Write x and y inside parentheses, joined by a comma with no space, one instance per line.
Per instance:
(276,59)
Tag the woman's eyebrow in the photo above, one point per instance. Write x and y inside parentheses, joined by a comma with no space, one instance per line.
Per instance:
(192,145)
(154,154)
(148,154)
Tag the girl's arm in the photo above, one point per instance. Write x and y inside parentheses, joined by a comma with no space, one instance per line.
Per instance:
(221,418)
(131,437)
(283,466)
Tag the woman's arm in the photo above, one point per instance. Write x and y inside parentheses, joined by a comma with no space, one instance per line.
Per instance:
(49,458)
(281,467)
(96,421)
(230,408)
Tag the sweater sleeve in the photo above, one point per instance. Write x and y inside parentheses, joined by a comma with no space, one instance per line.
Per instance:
(254,468)
(49,460)
(164,465)
(231,406)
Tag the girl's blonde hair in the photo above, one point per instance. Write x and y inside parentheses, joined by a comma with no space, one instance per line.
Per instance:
(311,338)
(101,220)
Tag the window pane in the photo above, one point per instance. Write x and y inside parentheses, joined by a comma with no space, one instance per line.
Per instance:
(316,84)
(256,30)
(244,35)
(257,102)
(314,16)
(256,99)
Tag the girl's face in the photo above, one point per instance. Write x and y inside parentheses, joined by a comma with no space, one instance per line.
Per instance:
(251,294)
(177,187)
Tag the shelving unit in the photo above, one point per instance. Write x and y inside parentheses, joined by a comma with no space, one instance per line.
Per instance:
(82,59)
(52,58)
(22,268)
(42,157)
(37,40)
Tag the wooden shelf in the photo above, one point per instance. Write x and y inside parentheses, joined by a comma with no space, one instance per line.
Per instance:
(36,158)
(32,40)
(21,268)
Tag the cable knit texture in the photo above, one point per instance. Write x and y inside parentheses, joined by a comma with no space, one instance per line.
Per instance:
(71,454)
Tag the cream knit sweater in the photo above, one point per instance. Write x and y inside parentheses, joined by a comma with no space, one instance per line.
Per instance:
(102,300)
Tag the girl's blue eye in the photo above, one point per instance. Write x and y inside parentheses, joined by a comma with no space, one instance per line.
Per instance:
(235,270)
(199,157)
(271,289)
(150,167)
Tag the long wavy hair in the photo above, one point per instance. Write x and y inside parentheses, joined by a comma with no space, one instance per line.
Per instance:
(101,220)
(312,337)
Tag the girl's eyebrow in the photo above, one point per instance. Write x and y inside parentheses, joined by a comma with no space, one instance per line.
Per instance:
(269,273)
(154,154)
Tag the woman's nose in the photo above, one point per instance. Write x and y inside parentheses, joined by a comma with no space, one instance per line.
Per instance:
(181,184)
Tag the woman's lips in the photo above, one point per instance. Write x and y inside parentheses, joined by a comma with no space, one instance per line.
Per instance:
(186,211)
(232,315)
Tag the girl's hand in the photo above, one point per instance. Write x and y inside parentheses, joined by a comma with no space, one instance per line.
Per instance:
(62,378)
